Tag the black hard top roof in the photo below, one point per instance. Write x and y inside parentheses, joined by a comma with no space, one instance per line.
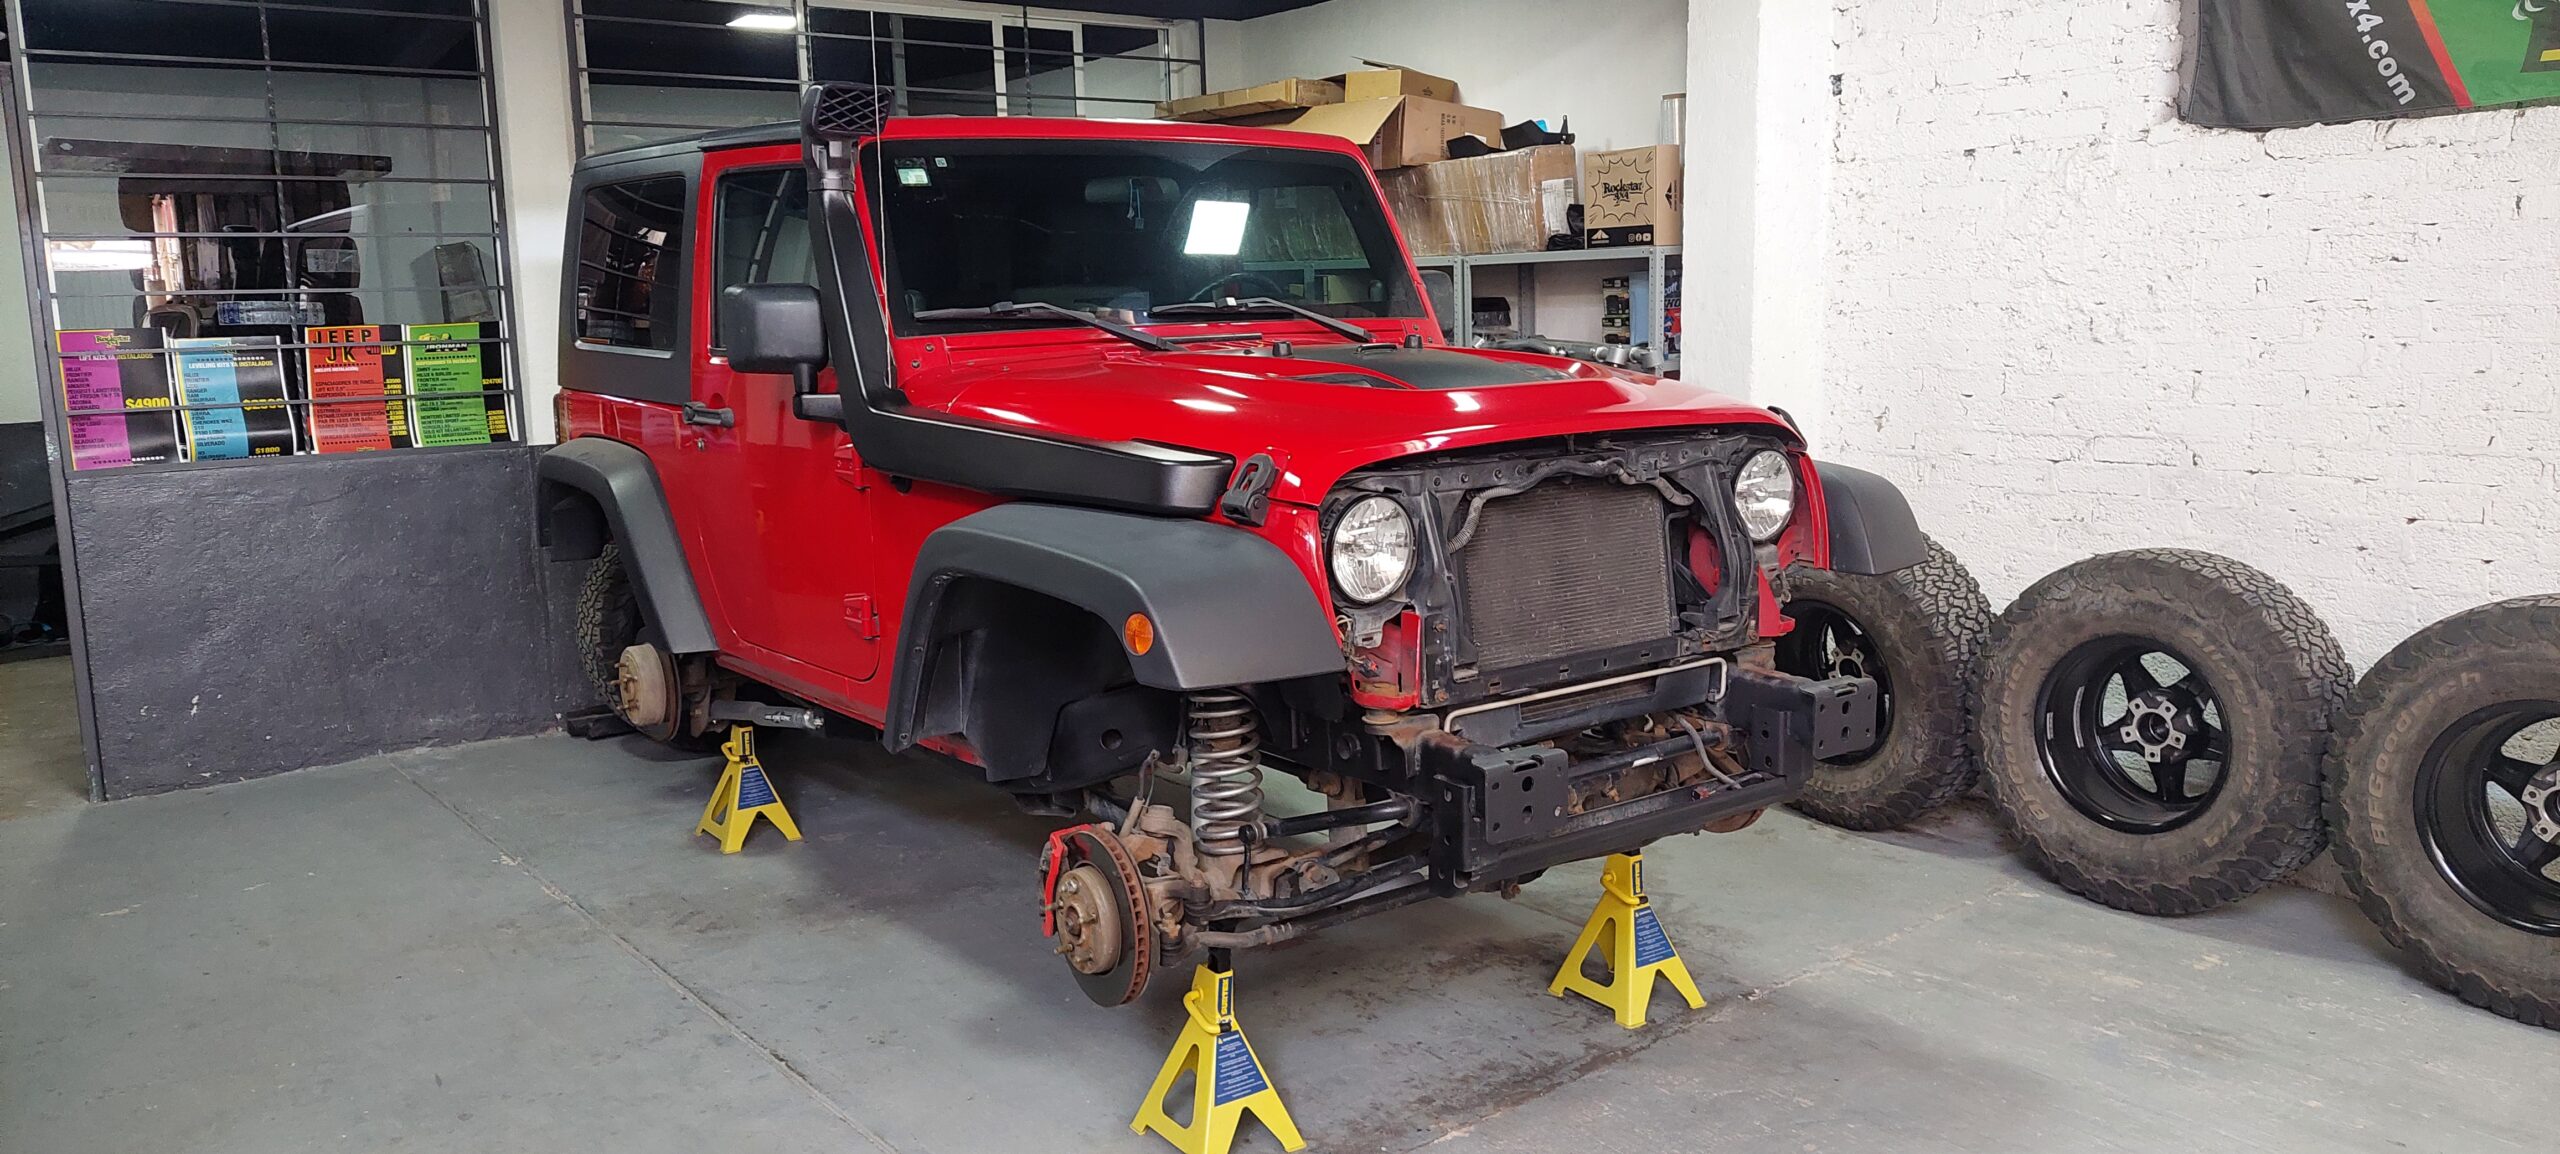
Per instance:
(783,132)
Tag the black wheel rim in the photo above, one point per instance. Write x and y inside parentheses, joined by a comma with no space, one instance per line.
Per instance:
(2133,735)
(2488,796)
(1827,642)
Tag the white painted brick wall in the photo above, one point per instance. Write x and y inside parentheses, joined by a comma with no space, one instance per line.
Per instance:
(2070,324)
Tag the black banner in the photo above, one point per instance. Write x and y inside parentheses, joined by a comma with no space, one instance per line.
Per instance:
(2281,63)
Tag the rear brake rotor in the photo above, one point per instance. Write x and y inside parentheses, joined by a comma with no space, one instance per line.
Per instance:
(1103,928)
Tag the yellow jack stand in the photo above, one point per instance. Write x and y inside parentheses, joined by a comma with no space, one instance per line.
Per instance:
(1226,1078)
(743,794)
(1624,928)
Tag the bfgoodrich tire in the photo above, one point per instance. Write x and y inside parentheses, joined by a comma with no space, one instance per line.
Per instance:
(2152,725)
(2444,743)
(1918,632)
(609,620)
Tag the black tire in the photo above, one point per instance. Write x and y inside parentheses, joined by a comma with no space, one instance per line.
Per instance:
(2259,697)
(609,622)
(1918,632)
(2407,723)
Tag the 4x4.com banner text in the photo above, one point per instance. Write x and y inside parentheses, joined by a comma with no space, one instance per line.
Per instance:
(2279,63)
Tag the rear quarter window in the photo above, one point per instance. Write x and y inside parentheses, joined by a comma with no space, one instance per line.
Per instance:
(630,255)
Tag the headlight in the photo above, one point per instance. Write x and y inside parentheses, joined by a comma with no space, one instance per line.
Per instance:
(1372,549)
(1765,494)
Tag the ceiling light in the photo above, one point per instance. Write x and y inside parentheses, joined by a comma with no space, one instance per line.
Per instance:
(766,22)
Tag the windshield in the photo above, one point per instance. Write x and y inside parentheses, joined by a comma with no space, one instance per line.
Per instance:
(1130,226)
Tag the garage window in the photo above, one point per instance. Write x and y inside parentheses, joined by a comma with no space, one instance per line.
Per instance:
(658,69)
(265,229)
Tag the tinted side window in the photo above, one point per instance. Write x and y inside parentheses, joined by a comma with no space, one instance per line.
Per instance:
(629,294)
(763,232)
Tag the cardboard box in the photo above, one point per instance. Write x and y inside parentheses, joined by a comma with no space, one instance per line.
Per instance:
(1238,103)
(1385,80)
(1631,197)
(1398,131)
(1506,202)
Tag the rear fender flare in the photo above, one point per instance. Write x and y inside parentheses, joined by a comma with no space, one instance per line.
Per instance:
(625,489)
(1226,607)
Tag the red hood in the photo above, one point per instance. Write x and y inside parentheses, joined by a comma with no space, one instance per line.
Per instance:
(1242,400)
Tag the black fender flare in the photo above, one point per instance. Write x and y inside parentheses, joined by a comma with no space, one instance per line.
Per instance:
(1871,527)
(1228,608)
(625,486)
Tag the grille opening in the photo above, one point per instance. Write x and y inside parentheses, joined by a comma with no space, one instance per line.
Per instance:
(1572,566)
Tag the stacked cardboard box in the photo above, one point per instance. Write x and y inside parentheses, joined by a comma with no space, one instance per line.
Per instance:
(1506,202)
(1631,196)
(1399,116)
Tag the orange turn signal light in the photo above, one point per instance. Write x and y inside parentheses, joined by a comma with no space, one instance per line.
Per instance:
(1139,632)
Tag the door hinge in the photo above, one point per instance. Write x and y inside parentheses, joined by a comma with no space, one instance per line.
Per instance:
(859,614)
(849,468)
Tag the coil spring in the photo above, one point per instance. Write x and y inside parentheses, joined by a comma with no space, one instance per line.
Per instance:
(1226,770)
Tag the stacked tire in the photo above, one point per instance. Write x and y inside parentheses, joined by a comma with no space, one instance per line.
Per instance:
(2167,732)
(2444,795)
(2152,726)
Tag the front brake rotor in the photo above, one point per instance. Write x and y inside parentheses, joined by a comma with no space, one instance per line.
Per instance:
(1107,937)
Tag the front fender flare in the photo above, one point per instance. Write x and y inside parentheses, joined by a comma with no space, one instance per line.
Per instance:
(625,486)
(1228,607)
(1871,527)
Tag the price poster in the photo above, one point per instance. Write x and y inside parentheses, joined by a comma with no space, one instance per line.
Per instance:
(244,378)
(110,371)
(349,364)
(447,371)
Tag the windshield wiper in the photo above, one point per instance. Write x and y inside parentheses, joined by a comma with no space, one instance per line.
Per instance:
(1234,305)
(1007,310)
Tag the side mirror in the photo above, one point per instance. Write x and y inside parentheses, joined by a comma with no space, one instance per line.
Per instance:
(1443,290)
(781,328)
(773,328)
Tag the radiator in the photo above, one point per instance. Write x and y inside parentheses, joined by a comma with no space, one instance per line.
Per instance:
(1569,567)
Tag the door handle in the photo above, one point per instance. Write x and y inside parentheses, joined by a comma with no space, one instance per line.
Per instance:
(697,413)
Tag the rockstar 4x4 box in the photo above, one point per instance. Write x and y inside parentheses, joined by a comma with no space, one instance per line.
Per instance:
(1124,463)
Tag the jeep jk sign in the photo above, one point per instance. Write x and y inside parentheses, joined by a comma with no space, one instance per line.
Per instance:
(2281,63)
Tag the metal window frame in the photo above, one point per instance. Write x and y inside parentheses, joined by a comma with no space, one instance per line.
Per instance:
(997,17)
(43,298)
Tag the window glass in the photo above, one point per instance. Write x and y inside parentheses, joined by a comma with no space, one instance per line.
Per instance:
(630,46)
(266,229)
(693,105)
(142,28)
(652,70)
(763,232)
(629,249)
(1039,71)
(1131,226)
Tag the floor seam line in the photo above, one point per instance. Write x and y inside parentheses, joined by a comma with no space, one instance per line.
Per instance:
(664,975)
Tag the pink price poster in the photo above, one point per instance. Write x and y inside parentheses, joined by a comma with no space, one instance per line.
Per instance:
(106,372)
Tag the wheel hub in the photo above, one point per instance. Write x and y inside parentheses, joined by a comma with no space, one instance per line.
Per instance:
(1089,926)
(2541,799)
(2161,726)
(645,680)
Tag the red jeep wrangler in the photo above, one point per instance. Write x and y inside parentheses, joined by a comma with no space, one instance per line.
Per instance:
(1125,462)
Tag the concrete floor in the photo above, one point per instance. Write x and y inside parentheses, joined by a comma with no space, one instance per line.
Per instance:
(40,760)
(518,946)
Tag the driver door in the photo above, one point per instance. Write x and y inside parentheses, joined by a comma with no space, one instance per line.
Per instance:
(791,523)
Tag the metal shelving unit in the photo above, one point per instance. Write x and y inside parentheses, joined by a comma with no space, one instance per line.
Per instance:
(1648,325)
